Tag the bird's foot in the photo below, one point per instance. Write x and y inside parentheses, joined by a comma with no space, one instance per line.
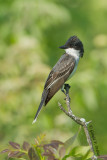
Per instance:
(65,88)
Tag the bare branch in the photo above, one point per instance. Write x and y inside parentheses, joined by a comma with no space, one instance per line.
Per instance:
(80,121)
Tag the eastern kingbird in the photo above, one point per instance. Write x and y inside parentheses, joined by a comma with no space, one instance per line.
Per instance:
(63,69)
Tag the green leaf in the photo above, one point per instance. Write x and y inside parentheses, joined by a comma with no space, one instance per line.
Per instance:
(62,151)
(80,151)
(65,157)
(70,141)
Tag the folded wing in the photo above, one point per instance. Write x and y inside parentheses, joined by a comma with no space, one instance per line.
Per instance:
(59,74)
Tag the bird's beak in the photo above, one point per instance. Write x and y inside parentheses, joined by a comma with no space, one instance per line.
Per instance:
(63,47)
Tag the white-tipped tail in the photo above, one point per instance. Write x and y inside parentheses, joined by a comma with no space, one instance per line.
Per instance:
(44,95)
(34,121)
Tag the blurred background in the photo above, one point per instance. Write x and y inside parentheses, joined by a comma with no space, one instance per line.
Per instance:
(30,34)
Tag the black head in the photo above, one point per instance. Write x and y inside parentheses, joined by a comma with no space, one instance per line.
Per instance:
(74,42)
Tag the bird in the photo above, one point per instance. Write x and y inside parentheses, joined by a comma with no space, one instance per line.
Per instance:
(62,71)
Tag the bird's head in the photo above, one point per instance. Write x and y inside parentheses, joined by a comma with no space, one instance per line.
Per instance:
(74,43)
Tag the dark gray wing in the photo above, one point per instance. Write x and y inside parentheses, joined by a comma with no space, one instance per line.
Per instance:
(58,75)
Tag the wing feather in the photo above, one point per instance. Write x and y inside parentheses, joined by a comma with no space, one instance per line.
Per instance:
(65,63)
(59,75)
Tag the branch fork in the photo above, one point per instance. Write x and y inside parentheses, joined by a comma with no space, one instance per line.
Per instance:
(80,121)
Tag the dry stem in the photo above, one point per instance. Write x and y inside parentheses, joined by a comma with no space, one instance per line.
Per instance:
(80,121)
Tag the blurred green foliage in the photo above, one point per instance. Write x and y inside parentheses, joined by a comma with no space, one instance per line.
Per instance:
(41,150)
(30,34)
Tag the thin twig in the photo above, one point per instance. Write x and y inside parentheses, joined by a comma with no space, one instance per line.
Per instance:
(80,121)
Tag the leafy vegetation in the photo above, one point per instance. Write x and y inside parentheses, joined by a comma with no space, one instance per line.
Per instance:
(54,150)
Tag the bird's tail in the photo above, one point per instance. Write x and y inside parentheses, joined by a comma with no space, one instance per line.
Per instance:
(44,95)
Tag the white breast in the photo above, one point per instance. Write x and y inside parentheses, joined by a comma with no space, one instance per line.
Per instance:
(75,53)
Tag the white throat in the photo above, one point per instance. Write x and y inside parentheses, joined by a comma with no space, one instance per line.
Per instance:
(73,52)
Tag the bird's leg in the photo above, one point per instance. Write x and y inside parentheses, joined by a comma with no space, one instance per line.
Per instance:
(62,89)
(67,87)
